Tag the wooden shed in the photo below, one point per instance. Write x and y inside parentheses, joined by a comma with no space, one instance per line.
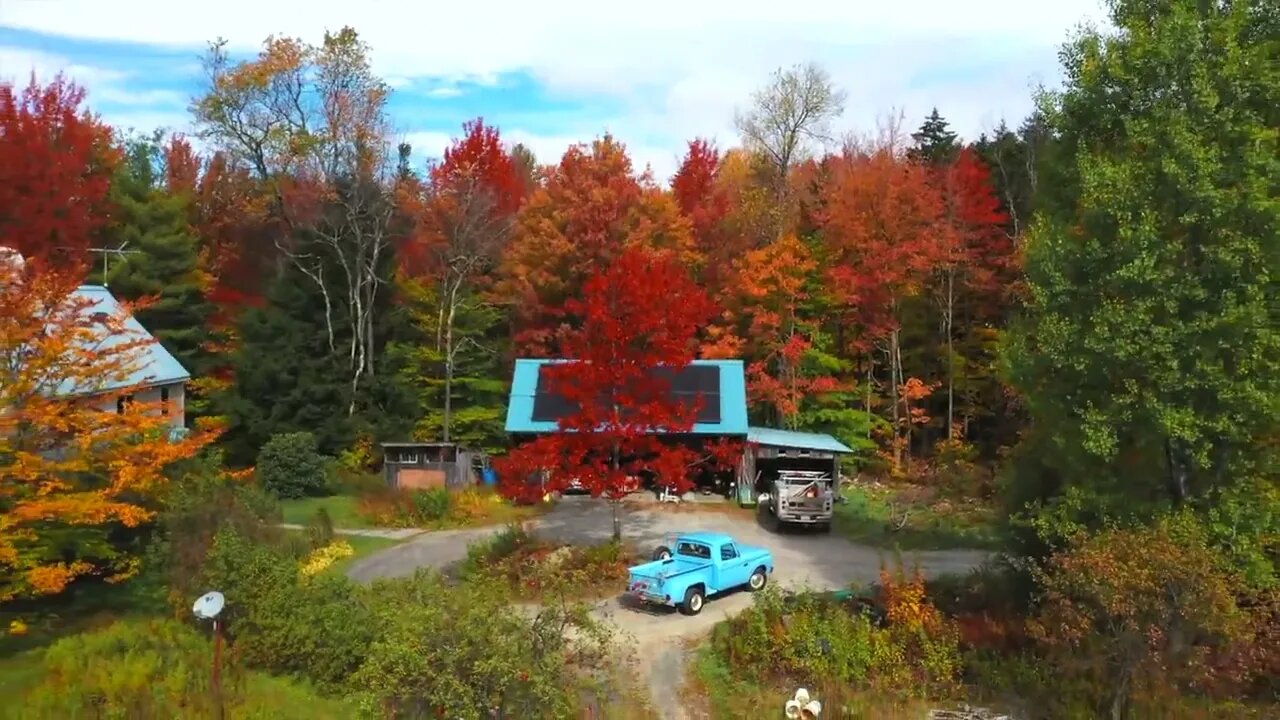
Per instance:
(423,465)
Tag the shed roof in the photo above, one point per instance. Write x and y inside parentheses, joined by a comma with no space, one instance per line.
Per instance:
(731,420)
(157,366)
(799,440)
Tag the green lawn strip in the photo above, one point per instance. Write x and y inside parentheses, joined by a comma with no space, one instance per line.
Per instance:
(873,515)
(363,546)
(342,511)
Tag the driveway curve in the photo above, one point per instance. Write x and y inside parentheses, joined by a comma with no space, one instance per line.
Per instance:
(658,637)
(804,559)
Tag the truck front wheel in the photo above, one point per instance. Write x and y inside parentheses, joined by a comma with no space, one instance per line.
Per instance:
(757,580)
(693,601)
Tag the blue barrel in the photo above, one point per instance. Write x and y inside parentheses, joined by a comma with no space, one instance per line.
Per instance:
(490,476)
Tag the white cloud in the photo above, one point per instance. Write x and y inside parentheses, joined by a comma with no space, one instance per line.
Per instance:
(444,91)
(679,69)
(125,105)
(17,65)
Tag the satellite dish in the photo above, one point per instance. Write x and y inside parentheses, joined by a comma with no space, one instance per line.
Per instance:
(209,605)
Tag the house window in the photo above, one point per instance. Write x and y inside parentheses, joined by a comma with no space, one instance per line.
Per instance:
(406,457)
(164,401)
(122,403)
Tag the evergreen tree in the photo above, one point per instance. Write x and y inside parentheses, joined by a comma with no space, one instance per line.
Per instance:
(160,261)
(1150,355)
(480,377)
(935,142)
(287,379)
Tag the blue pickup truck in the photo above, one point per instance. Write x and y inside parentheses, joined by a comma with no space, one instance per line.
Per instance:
(695,566)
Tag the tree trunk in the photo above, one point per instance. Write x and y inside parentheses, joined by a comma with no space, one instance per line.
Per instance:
(617,501)
(448,399)
(1120,695)
(870,380)
(1178,473)
(947,319)
(448,362)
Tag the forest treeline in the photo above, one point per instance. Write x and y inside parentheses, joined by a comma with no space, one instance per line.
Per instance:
(1085,300)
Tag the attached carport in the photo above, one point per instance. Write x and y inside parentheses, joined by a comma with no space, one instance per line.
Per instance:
(772,451)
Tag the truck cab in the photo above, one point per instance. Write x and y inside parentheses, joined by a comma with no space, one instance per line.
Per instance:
(695,566)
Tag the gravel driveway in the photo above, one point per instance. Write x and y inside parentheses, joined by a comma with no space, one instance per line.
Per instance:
(803,559)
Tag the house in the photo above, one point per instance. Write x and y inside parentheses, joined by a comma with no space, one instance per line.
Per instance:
(533,410)
(159,379)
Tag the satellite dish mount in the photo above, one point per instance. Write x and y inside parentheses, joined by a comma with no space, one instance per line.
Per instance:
(208,607)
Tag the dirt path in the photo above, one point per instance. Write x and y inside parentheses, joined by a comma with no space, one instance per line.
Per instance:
(387,533)
(804,560)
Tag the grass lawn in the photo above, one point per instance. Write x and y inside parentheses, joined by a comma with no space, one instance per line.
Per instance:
(341,509)
(912,517)
(363,546)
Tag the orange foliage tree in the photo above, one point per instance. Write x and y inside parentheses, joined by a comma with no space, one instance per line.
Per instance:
(772,290)
(883,219)
(56,164)
(591,207)
(73,470)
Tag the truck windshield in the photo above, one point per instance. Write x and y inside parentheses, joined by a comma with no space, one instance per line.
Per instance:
(694,550)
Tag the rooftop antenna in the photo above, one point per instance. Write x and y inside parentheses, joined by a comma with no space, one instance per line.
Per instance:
(106,253)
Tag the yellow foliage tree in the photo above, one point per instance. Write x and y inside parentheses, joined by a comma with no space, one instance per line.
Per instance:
(72,468)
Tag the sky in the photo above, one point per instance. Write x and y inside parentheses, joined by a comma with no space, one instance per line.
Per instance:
(655,74)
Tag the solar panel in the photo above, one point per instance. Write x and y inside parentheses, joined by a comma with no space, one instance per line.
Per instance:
(688,385)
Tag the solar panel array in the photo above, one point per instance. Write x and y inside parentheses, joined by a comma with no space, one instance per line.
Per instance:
(688,385)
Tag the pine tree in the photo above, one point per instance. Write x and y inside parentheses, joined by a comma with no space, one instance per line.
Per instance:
(935,142)
(160,260)
(286,377)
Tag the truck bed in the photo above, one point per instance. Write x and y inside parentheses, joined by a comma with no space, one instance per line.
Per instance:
(665,569)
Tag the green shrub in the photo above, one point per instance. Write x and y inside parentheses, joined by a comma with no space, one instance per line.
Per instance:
(431,505)
(802,638)
(197,506)
(290,466)
(463,652)
(318,627)
(320,529)
(137,669)
(158,669)
(484,553)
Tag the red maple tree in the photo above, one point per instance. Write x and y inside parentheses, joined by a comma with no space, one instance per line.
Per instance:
(56,163)
(640,318)
(884,219)
(591,207)
(467,208)
(705,202)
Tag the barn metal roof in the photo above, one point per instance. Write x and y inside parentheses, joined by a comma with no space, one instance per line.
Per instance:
(774,437)
(156,367)
(733,399)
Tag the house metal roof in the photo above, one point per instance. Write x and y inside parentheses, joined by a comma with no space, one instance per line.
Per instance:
(156,366)
(733,399)
(798,440)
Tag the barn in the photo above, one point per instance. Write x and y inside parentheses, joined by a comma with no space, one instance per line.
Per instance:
(533,410)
